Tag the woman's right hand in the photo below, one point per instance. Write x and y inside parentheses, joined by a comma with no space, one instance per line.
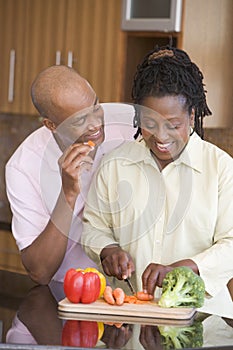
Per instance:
(117,262)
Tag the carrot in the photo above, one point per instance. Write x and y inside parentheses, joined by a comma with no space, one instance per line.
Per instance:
(91,143)
(119,296)
(141,301)
(127,298)
(109,323)
(118,324)
(108,295)
(144,296)
(131,299)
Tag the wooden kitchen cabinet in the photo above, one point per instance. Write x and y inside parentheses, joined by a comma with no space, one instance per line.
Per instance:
(83,33)
(10,258)
(43,38)
(89,33)
(12,30)
(32,31)
(94,36)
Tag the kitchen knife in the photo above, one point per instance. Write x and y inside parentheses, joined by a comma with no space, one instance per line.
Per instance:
(127,280)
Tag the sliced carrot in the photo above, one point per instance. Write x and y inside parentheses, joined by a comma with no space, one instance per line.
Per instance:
(141,301)
(118,325)
(127,298)
(91,143)
(131,299)
(108,295)
(144,296)
(109,323)
(119,296)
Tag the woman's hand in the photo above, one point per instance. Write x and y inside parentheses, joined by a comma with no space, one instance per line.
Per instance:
(115,337)
(150,337)
(117,262)
(154,274)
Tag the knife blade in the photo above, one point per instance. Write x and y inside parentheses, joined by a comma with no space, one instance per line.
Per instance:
(127,280)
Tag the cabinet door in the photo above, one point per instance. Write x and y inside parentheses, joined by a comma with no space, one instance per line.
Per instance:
(94,38)
(85,32)
(12,40)
(44,37)
(35,30)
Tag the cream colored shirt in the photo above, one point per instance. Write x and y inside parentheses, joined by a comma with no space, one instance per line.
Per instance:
(183,212)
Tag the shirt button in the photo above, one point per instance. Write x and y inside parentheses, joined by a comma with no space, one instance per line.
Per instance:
(157,241)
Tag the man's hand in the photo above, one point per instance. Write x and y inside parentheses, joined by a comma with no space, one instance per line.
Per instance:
(117,262)
(74,160)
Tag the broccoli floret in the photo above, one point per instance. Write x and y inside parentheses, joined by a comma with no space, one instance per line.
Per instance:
(174,337)
(182,287)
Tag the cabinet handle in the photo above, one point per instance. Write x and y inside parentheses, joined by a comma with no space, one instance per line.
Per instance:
(11,76)
(58,58)
(70,59)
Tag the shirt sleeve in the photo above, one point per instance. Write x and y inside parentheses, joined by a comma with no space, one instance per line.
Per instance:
(29,215)
(97,217)
(216,263)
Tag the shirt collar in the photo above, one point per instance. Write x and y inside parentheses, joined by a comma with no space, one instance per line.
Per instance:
(191,155)
(139,153)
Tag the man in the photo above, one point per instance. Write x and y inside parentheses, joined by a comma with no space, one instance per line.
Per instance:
(48,175)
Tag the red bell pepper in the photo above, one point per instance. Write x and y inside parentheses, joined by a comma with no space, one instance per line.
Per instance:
(81,287)
(80,333)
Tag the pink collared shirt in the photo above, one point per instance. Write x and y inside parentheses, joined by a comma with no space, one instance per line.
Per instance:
(33,183)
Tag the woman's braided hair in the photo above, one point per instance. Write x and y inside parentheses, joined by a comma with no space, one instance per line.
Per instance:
(169,71)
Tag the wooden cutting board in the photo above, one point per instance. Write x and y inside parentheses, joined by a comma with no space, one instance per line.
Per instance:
(148,310)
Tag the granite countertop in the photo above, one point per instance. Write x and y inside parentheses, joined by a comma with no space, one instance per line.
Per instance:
(30,319)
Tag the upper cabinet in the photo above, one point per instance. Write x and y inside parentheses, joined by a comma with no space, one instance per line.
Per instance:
(94,38)
(87,35)
(35,34)
(12,38)
(31,34)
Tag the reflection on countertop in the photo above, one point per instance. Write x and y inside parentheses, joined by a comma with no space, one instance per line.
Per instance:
(13,288)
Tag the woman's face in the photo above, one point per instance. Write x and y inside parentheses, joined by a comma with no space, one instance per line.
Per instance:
(165,126)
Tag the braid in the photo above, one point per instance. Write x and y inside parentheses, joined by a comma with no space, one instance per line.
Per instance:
(169,71)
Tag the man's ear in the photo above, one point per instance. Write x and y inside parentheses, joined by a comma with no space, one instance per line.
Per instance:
(49,124)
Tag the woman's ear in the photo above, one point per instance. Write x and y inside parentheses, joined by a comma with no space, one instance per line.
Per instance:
(49,124)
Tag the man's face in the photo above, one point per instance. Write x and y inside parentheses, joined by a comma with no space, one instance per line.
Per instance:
(75,115)
(83,126)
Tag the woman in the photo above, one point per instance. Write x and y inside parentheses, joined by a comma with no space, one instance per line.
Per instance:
(164,200)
